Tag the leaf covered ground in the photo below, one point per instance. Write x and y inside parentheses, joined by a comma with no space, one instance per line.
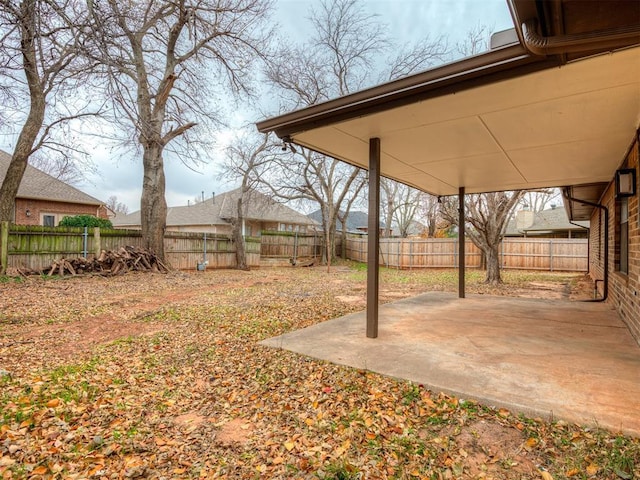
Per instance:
(161,377)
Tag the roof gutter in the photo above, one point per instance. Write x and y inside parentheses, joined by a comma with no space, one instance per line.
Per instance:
(578,42)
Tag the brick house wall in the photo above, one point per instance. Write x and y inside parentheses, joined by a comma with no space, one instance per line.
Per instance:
(624,287)
(32,211)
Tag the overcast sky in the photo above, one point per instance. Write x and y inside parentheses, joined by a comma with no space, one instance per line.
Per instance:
(407,21)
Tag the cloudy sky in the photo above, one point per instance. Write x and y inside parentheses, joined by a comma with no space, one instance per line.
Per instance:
(407,20)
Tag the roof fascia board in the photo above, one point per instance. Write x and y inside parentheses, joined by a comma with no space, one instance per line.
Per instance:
(57,200)
(506,62)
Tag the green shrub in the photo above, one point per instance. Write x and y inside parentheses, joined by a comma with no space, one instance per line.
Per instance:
(85,221)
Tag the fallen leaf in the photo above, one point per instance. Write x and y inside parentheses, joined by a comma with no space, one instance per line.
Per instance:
(592,469)
(41,470)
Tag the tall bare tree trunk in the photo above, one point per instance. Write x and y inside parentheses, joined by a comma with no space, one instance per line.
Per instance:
(153,203)
(35,119)
(389,215)
(492,256)
(343,245)
(238,238)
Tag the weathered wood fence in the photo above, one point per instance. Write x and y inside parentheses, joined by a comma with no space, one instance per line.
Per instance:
(37,247)
(289,245)
(551,254)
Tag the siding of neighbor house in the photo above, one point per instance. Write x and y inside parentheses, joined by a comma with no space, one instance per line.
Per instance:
(39,208)
(624,288)
(214,216)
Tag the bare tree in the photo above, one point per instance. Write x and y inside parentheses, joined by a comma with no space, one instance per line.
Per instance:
(40,67)
(429,213)
(476,41)
(162,61)
(304,175)
(60,167)
(407,209)
(538,200)
(345,54)
(115,206)
(400,206)
(247,160)
(487,214)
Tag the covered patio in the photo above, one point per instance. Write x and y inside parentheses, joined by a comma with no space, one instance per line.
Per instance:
(555,359)
(555,103)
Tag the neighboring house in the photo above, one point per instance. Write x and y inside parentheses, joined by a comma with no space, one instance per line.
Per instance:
(357,222)
(214,215)
(551,223)
(554,103)
(45,200)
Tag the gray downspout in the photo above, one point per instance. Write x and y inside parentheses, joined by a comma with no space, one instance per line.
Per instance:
(461,243)
(605,281)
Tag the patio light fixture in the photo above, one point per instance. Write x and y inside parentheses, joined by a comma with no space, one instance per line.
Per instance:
(625,182)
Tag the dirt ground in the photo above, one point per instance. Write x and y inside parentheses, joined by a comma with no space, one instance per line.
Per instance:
(97,310)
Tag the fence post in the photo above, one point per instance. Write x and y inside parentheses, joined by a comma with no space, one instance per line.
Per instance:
(85,239)
(97,247)
(4,247)
(204,254)
(455,252)
(551,254)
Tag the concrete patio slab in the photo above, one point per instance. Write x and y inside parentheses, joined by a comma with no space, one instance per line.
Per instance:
(555,359)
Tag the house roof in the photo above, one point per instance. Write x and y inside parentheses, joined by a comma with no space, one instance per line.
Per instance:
(38,185)
(355,220)
(217,211)
(550,220)
(557,107)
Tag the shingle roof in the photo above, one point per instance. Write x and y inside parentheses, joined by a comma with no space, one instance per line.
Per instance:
(553,219)
(355,220)
(218,210)
(38,185)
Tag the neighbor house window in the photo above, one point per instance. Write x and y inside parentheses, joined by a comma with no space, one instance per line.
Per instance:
(624,235)
(49,220)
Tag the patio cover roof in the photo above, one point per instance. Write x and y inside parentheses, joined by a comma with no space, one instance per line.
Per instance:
(558,108)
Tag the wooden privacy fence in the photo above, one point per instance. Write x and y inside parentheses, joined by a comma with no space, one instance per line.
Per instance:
(518,253)
(36,247)
(288,245)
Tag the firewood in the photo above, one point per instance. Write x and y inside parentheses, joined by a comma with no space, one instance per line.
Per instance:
(110,262)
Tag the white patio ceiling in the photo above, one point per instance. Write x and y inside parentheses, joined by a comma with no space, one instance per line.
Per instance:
(567,125)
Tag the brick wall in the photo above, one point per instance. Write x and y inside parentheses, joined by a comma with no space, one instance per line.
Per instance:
(624,288)
(31,212)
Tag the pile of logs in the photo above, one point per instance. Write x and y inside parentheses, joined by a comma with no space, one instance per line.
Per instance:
(112,262)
